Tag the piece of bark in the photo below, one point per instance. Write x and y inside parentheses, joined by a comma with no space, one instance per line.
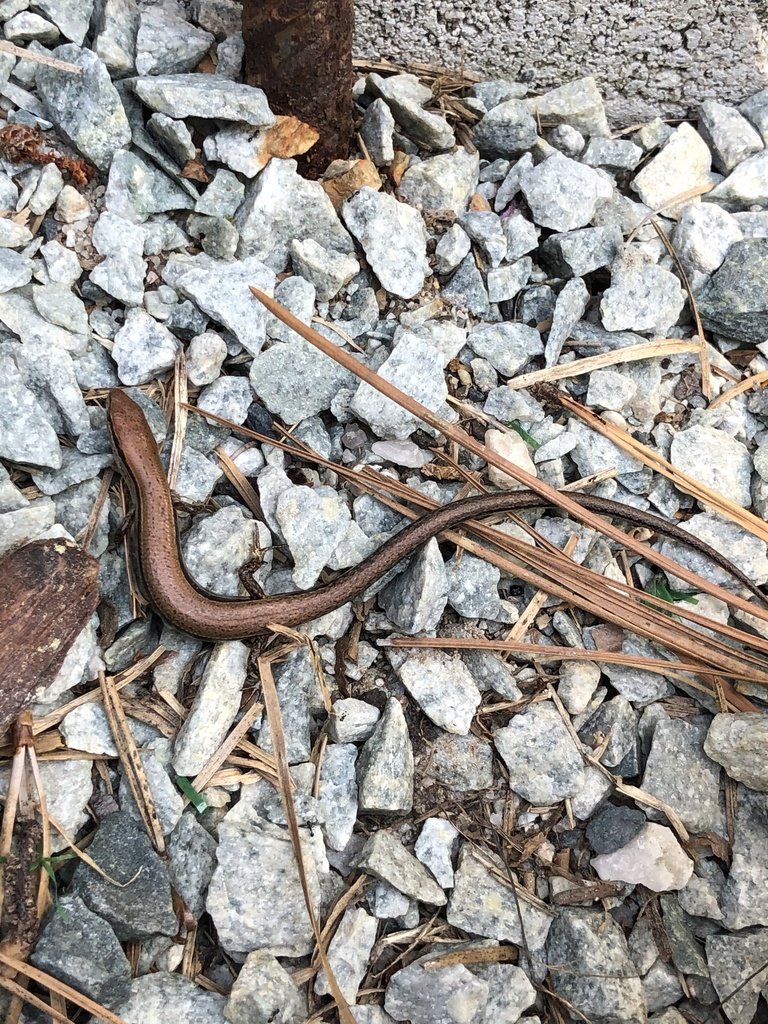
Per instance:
(48,591)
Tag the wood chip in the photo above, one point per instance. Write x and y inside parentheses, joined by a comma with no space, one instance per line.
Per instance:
(360,173)
(50,589)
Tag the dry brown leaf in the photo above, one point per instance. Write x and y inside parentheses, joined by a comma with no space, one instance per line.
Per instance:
(359,173)
(287,137)
(206,66)
(436,471)
(398,167)
(608,638)
(194,170)
(20,143)
(49,590)
(479,203)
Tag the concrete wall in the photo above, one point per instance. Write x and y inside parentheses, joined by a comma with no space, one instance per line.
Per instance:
(649,57)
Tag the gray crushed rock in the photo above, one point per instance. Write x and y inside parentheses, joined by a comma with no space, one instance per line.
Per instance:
(465,270)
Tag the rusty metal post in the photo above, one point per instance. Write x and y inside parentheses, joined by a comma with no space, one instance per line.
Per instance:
(300,53)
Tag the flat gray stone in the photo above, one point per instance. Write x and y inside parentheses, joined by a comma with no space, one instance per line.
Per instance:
(482,904)
(163,998)
(504,283)
(716,459)
(578,942)
(348,953)
(384,857)
(137,188)
(544,764)
(208,96)
(405,100)
(281,207)
(738,742)
(728,134)
(26,434)
(415,367)
(416,598)
(467,289)
(81,949)
(679,773)
(143,348)
(461,763)
(192,859)
(683,163)
(295,380)
(217,547)
(442,995)
(222,290)
(86,109)
(444,182)
(704,234)
(385,766)
(435,848)
(167,44)
(506,346)
(264,993)
(642,297)
(442,686)
(579,252)
(578,103)
(737,965)
(375,218)
(214,708)
(562,193)
(733,301)
(255,896)
(143,907)
(745,896)
(313,522)
(376,131)
(114,41)
(327,269)
(473,588)
(337,793)
(506,130)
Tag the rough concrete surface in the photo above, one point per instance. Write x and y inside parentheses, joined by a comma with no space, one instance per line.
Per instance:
(649,57)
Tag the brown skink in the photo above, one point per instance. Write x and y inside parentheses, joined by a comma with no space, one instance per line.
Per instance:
(183,604)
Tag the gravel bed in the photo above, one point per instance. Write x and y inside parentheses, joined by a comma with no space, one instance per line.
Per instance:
(449,800)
